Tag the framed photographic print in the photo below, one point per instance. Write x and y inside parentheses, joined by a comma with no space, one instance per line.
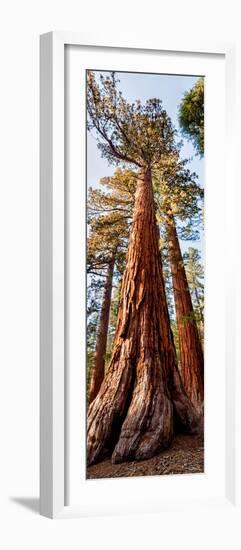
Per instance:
(137,359)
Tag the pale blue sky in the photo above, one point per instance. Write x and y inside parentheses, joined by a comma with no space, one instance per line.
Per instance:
(170,89)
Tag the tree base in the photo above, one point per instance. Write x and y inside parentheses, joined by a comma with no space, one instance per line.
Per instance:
(184,456)
(134,415)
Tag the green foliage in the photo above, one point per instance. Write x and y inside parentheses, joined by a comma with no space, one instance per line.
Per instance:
(130,133)
(191,115)
(109,219)
(178,193)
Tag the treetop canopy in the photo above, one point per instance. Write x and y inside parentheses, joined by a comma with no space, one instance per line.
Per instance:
(130,133)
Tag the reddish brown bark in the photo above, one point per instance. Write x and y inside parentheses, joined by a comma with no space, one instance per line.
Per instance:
(191,353)
(142,394)
(98,369)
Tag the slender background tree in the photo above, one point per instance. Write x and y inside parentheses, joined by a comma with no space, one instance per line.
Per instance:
(179,197)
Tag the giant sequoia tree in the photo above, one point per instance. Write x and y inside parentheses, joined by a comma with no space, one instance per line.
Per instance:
(179,198)
(142,398)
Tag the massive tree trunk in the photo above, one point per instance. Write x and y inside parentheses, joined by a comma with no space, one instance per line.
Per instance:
(98,369)
(191,353)
(142,396)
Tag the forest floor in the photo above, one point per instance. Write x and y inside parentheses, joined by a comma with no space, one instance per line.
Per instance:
(184,456)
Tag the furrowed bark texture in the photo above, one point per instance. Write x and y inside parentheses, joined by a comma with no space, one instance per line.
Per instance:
(191,353)
(98,369)
(142,394)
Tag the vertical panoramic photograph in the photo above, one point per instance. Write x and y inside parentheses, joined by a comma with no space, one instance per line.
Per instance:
(145,274)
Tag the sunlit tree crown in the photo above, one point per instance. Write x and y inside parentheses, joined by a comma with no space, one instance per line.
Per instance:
(109,218)
(134,133)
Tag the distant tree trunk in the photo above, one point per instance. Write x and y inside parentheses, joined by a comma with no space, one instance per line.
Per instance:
(201,315)
(191,353)
(98,369)
(142,396)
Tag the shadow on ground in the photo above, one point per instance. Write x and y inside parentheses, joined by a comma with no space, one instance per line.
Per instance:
(28,502)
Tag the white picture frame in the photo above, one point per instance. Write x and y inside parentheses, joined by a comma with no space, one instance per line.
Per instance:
(53,427)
